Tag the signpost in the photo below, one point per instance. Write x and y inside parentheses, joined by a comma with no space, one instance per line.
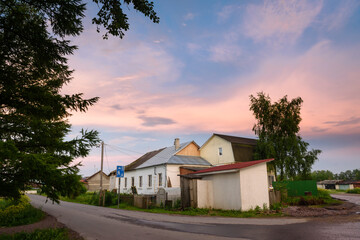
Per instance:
(119,174)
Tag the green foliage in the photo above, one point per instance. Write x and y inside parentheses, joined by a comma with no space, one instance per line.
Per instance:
(33,111)
(177,204)
(322,175)
(276,207)
(355,190)
(349,175)
(18,212)
(40,234)
(323,198)
(277,127)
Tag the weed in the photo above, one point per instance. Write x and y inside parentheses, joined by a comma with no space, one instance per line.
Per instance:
(43,234)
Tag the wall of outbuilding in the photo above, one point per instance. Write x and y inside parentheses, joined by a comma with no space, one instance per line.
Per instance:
(254,186)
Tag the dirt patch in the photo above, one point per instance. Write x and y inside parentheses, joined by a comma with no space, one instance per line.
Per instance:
(48,222)
(346,208)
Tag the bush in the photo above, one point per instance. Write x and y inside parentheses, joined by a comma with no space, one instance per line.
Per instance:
(355,190)
(43,234)
(14,213)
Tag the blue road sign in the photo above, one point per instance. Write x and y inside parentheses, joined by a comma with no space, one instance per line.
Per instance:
(120,171)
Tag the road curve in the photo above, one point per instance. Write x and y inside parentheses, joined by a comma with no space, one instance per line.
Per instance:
(100,223)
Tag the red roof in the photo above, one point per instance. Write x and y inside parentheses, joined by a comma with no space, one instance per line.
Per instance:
(233,166)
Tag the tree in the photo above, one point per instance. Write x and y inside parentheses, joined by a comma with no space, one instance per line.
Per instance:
(277,128)
(33,112)
(321,175)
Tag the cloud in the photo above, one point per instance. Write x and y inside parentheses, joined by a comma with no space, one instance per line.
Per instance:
(116,107)
(225,52)
(280,21)
(155,121)
(341,14)
(226,12)
(189,16)
(350,121)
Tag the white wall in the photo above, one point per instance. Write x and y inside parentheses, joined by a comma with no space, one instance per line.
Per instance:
(210,151)
(144,172)
(254,186)
(113,180)
(205,194)
(172,172)
(226,190)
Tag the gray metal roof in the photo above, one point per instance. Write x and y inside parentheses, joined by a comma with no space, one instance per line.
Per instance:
(189,160)
(167,155)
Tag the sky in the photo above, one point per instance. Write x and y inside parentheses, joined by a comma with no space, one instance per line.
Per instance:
(192,74)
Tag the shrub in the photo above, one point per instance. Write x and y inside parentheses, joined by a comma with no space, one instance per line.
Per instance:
(355,190)
(43,234)
(19,213)
(275,207)
(177,204)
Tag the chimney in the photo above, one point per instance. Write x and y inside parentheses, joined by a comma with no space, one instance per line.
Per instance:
(177,143)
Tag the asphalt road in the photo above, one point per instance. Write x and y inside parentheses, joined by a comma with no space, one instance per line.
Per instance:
(354,198)
(105,223)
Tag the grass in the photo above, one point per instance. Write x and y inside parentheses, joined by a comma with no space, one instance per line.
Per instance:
(92,199)
(334,191)
(321,200)
(15,213)
(354,191)
(43,234)
(206,212)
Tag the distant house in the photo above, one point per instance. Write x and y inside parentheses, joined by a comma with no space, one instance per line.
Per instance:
(328,184)
(92,183)
(347,184)
(160,169)
(239,186)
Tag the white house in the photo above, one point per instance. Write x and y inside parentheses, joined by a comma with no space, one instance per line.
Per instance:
(160,168)
(238,186)
(222,149)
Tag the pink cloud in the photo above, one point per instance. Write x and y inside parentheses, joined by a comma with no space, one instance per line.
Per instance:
(280,21)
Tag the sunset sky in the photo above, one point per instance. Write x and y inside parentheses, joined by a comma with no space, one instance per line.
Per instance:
(192,74)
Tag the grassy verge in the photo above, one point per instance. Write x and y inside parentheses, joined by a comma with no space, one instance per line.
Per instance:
(15,213)
(322,200)
(354,191)
(334,191)
(111,201)
(43,234)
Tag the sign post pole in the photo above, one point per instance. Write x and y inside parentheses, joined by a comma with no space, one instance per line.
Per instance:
(119,192)
(120,174)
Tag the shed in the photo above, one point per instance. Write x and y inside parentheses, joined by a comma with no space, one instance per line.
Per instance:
(238,186)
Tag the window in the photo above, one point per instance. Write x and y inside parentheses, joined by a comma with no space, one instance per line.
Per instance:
(220,151)
(132,181)
(160,179)
(140,181)
(125,182)
(150,180)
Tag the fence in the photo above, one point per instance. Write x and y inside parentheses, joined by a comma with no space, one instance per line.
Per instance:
(297,188)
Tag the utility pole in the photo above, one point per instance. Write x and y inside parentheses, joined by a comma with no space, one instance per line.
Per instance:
(101,173)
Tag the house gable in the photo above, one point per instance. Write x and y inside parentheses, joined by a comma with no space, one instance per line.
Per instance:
(210,151)
(234,149)
(191,149)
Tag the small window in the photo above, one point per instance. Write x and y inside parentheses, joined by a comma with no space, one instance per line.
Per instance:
(150,180)
(160,179)
(140,181)
(125,182)
(220,151)
(132,181)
